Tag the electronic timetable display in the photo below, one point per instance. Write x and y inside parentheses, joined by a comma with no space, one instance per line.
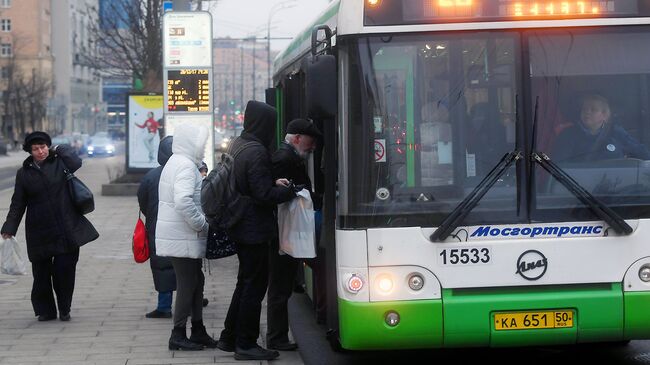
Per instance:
(188,90)
(395,12)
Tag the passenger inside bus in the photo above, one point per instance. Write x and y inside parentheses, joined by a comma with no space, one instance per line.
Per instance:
(486,137)
(596,137)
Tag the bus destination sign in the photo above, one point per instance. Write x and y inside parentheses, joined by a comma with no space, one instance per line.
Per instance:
(188,91)
(396,12)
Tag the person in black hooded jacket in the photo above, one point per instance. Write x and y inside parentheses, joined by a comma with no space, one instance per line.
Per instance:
(254,232)
(54,230)
(164,278)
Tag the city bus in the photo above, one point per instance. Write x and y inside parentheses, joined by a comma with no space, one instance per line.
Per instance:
(484,168)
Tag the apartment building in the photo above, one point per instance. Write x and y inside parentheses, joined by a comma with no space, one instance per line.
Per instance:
(78,83)
(26,66)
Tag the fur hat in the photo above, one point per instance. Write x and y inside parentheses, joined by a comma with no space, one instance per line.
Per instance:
(37,137)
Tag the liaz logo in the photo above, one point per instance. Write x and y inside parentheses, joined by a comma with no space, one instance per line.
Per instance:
(531,265)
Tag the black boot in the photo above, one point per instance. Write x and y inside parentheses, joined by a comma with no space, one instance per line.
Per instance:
(200,335)
(179,341)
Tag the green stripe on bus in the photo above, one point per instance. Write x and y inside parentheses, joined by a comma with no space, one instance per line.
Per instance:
(362,326)
(464,318)
(468,314)
(637,315)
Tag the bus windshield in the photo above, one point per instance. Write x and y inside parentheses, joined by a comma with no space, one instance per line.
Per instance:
(428,117)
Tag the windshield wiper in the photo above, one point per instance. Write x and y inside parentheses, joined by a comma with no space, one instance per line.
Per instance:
(462,210)
(601,210)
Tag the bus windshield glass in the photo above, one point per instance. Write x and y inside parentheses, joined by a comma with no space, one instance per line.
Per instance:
(593,94)
(429,116)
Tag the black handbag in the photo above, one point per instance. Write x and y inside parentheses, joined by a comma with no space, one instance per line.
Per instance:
(82,197)
(219,244)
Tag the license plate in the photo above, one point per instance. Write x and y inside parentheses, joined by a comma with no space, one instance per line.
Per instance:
(533,320)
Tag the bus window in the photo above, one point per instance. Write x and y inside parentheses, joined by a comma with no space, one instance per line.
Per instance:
(592,90)
(438,111)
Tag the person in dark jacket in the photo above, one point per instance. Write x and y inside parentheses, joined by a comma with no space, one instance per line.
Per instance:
(596,138)
(289,162)
(54,230)
(253,233)
(164,279)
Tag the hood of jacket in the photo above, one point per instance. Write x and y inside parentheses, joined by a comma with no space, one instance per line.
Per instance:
(259,121)
(189,141)
(165,150)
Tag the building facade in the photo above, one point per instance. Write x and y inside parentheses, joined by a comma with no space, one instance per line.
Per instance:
(240,74)
(26,66)
(78,83)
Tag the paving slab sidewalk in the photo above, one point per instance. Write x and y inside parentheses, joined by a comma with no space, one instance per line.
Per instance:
(112,294)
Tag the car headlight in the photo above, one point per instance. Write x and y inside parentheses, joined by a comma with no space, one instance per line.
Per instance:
(644,273)
(416,282)
(91,148)
(384,283)
(110,147)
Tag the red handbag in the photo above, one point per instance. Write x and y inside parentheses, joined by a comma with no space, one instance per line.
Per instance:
(140,242)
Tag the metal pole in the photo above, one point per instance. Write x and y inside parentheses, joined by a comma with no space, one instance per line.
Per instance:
(254,62)
(181,5)
(241,75)
(268,52)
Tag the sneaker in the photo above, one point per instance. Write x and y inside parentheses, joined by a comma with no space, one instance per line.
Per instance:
(65,317)
(158,314)
(255,353)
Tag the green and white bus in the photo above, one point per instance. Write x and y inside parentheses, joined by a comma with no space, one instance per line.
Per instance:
(468,200)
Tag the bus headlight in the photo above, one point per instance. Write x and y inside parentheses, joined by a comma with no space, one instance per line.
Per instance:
(644,273)
(384,283)
(416,282)
(355,284)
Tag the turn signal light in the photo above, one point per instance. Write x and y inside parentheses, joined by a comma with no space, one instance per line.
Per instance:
(355,283)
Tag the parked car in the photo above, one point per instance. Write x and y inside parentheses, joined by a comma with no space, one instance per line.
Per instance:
(100,146)
(65,139)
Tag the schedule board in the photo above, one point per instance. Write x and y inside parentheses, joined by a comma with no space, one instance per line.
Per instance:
(188,90)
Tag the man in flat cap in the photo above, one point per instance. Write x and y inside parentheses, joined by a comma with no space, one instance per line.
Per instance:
(289,161)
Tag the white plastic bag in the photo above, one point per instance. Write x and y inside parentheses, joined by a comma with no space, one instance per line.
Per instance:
(296,226)
(11,262)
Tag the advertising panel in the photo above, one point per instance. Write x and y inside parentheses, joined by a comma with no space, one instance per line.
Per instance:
(144,130)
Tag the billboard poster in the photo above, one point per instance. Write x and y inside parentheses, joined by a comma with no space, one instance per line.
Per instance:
(144,130)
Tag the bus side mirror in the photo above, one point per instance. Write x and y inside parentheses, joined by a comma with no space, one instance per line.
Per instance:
(320,86)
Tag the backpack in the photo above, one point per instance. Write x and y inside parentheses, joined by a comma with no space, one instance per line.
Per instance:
(222,204)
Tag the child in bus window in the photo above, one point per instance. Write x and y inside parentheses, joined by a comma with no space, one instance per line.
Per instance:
(595,137)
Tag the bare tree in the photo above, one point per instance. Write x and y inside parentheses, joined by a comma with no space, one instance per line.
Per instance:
(25,95)
(128,41)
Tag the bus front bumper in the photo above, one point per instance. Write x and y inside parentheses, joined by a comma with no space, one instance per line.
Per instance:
(465,318)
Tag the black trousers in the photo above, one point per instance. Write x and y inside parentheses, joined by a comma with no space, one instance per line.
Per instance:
(58,273)
(282,273)
(242,325)
(189,290)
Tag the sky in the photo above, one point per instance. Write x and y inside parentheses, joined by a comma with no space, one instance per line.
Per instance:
(245,18)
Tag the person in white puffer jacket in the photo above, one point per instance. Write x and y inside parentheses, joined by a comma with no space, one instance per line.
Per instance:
(181,233)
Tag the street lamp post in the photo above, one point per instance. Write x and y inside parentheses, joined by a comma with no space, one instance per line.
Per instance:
(277,7)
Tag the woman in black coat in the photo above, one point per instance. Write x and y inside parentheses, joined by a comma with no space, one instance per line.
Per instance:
(54,230)
(164,278)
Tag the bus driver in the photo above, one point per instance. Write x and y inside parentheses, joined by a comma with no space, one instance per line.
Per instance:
(596,137)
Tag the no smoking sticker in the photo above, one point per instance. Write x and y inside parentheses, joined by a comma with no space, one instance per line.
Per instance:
(380,150)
